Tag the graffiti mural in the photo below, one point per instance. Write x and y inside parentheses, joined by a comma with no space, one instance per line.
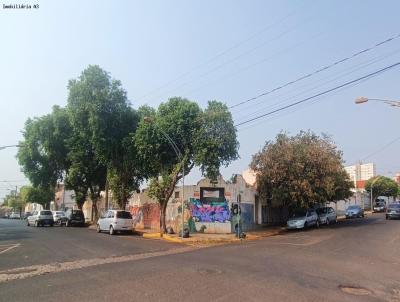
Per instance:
(209,212)
(146,216)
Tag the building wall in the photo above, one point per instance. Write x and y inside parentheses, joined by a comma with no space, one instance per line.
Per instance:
(208,217)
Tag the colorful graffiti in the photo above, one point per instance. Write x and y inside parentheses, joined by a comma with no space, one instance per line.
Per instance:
(209,212)
(146,216)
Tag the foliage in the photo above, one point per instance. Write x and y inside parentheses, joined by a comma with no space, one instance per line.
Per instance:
(196,138)
(301,170)
(43,151)
(382,186)
(103,120)
(30,194)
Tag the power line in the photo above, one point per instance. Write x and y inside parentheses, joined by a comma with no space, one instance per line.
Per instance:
(321,93)
(381,149)
(222,53)
(317,71)
(328,79)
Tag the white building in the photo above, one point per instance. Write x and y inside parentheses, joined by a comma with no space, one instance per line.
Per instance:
(361,172)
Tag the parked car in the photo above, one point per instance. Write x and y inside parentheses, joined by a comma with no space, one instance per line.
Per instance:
(40,218)
(354,211)
(15,215)
(115,221)
(59,217)
(379,206)
(393,211)
(74,217)
(326,215)
(302,219)
(27,214)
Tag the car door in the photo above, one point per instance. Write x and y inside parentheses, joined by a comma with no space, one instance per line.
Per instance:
(102,220)
(332,214)
(32,218)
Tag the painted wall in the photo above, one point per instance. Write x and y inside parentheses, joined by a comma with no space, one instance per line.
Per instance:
(146,216)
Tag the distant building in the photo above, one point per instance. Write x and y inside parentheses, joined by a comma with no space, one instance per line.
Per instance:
(396,178)
(359,173)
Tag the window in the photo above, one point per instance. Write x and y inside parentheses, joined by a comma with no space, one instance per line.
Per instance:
(124,214)
(177,194)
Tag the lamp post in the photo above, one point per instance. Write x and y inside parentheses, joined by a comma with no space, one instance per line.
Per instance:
(10,146)
(178,153)
(372,184)
(362,99)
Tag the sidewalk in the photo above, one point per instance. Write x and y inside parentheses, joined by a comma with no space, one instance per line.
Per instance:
(212,239)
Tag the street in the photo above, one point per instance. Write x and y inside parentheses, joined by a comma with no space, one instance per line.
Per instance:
(355,260)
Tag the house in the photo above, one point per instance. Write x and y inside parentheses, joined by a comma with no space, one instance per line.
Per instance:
(208,207)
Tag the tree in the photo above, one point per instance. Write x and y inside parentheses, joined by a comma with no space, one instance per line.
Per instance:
(105,123)
(204,139)
(382,186)
(300,171)
(36,195)
(43,151)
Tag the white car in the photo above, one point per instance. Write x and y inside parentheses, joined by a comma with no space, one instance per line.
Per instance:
(15,215)
(303,219)
(115,221)
(327,215)
(40,218)
(59,217)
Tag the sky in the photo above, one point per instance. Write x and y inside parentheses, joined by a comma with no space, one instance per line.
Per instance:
(206,50)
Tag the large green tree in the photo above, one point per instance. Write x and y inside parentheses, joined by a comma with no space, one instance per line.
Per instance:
(105,123)
(300,171)
(43,151)
(178,136)
(382,186)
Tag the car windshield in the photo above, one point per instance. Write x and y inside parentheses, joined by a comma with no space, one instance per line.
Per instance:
(394,206)
(353,207)
(60,213)
(299,213)
(321,211)
(46,213)
(124,215)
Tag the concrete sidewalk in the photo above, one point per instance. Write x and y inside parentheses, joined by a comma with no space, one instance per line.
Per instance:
(212,239)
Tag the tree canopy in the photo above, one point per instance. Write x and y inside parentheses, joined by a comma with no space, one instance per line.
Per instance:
(180,135)
(301,170)
(382,186)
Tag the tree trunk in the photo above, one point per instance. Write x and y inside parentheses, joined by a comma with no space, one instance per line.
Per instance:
(163,210)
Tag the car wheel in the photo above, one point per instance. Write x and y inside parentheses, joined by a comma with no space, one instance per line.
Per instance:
(27,222)
(362,215)
(305,227)
(327,221)
(98,228)
(112,232)
(51,224)
(317,224)
(387,218)
(36,223)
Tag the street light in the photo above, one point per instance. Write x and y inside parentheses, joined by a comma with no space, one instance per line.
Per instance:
(372,184)
(149,120)
(362,99)
(4,147)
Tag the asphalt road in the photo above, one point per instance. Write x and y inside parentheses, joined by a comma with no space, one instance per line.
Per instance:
(355,260)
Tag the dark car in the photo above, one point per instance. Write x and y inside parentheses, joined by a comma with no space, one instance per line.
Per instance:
(27,214)
(393,211)
(74,217)
(379,206)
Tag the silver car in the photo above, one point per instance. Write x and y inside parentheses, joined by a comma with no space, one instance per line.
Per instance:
(302,219)
(40,218)
(115,221)
(354,211)
(327,215)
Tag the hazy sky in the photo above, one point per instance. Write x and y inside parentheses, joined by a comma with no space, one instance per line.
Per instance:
(203,50)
